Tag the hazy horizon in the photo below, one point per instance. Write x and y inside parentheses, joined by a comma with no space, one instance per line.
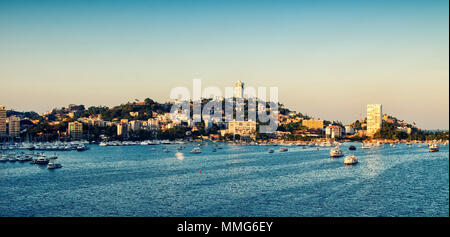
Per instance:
(328,59)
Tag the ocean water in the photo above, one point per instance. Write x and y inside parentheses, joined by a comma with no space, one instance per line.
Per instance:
(236,181)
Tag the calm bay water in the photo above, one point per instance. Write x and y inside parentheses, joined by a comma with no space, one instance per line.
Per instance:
(234,181)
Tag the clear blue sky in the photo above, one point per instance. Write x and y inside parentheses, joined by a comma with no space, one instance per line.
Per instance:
(328,58)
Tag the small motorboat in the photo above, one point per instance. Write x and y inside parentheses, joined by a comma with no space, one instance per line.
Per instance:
(3,158)
(336,152)
(40,161)
(12,159)
(283,149)
(21,158)
(166,150)
(366,146)
(271,150)
(196,150)
(434,148)
(82,148)
(28,158)
(53,165)
(214,150)
(352,148)
(350,160)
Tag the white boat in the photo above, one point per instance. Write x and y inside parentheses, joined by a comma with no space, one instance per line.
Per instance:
(434,148)
(365,146)
(336,152)
(152,143)
(52,165)
(82,147)
(166,150)
(271,150)
(12,158)
(283,149)
(196,150)
(350,160)
(21,158)
(103,144)
(40,160)
(28,158)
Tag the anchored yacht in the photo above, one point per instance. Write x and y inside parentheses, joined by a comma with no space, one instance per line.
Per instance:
(434,148)
(336,152)
(350,160)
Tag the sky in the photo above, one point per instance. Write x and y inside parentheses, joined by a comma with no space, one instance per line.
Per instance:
(329,59)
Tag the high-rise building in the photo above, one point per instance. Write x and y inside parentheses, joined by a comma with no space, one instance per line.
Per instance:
(239,89)
(14,126)
(2,120)
(75,130)
(374,118)
(122,129)
(135,125)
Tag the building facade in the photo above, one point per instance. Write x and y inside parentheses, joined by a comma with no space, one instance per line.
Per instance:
(242,128)
(333,131)
(75,130)
(135,125)
(374,118)
(349,130)
(14,126)
(153,124)
(2,120)
(313,124)
(122,129)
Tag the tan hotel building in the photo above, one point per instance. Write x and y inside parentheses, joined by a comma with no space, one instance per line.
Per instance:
(374,118)
(2,120)
(313,124)
(75,130)
(14,126)
(242,128)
